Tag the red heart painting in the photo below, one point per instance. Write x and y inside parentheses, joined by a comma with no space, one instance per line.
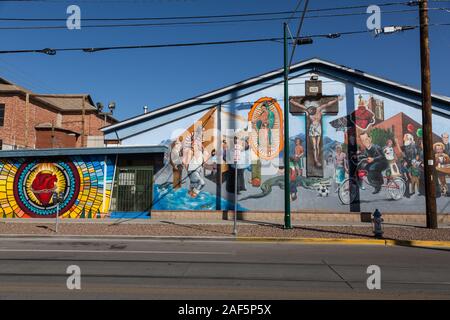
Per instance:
(43,186)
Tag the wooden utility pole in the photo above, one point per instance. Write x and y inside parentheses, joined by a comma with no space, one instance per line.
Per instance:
(429,166)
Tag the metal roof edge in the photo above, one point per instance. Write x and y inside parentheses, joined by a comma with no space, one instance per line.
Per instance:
(81,151)
(251,81)
(381,79)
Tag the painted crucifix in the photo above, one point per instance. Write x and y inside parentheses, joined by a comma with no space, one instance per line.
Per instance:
(314,105)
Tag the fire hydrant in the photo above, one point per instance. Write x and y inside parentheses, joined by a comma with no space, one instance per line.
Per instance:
(377,221)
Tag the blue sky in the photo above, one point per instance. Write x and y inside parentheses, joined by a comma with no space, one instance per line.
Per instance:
(157,77)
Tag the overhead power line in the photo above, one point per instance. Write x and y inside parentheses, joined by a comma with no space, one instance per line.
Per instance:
(295,11)
(198,23)
(248,14)
(298,31)
(53,51)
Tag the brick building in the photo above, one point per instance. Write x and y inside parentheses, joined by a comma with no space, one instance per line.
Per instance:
(398,125)
(33,121)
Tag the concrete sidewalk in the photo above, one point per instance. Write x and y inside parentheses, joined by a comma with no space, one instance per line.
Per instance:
(251,230)
(295,223)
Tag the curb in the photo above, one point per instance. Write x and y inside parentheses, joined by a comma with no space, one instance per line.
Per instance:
(418,243)
(314,240)
(325,241)
(382,242)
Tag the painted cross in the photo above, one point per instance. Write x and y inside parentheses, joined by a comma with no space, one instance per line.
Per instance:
(314,105)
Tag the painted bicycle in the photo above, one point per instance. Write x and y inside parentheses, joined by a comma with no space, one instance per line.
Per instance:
(347,191)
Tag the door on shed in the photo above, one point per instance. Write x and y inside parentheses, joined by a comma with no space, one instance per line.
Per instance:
(134,189)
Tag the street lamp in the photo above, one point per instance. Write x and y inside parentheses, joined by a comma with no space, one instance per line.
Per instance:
(287,67)
(99,107)
(111,107)
(303,41)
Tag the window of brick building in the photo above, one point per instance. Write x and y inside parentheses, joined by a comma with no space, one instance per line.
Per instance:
(1,144)
(2,114)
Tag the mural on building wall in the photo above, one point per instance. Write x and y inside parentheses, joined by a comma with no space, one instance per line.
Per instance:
(352,155)
(27,186)
(375,158)
(191,166)
(384,157)
(266,136)
(314,105)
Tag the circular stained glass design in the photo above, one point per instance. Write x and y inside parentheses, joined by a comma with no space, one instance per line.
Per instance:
(36,182)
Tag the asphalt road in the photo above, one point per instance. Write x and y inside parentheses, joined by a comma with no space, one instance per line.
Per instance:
(35,268)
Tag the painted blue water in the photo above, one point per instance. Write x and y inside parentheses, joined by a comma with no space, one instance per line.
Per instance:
(169,199)
(130,215)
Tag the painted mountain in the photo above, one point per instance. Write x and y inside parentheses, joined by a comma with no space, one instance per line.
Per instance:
(328,144)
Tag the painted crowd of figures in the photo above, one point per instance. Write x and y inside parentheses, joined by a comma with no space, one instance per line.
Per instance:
(371,153)
(395,160)
(189,154)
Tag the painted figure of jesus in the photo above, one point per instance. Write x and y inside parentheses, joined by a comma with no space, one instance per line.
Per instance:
(314,112)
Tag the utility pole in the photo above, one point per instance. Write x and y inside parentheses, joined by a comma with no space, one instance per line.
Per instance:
(430,185)
(287,195)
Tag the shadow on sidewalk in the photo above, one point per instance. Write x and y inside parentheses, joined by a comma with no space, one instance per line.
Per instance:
(195,227)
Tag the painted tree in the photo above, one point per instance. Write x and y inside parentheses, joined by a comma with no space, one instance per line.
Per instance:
(381,136)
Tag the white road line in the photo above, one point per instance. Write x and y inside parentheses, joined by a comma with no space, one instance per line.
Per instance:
(115,251)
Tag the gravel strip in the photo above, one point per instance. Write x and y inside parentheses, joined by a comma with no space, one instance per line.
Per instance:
(189,230)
